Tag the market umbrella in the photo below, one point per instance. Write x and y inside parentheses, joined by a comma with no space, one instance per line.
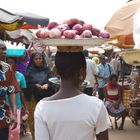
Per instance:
(9,21)
(32,20)
(120,26)
(121,22)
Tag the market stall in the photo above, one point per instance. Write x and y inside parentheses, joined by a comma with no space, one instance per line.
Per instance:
(9,25)
(132,93)
(124,31)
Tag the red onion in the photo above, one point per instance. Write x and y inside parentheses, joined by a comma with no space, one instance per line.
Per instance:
(78,28)
(87,27)
(63,27)
(71,22)
(38,33)
(69,34)
(86,34)
(55,33)
(52,25)
(104,34)
(44,33)
(95,32)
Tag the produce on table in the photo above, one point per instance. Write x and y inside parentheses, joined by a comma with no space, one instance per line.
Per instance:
(71,29)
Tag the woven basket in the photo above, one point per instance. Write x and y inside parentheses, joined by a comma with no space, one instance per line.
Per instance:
(123,41)
(74,42)
(131,57)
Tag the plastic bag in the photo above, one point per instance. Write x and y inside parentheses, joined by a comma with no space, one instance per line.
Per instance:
(15,133)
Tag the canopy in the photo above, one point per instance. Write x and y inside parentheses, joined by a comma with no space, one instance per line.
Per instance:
(121,22)
(122,25)
(9,21)
(18,36)
(33,20)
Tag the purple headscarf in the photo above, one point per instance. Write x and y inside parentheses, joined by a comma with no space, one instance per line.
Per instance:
(23,62)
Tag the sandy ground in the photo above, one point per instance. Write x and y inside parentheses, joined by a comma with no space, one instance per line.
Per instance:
(130,132)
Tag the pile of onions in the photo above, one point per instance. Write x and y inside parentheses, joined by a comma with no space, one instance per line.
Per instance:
(72,28)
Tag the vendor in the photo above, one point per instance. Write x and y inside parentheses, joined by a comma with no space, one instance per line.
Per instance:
(135,81)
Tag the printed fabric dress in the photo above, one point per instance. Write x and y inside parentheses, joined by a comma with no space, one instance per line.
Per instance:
(8,85)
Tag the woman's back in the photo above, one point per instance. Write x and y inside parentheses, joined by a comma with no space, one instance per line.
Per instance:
(77,118)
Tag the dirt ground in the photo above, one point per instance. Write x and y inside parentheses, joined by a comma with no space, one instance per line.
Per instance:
(130,132)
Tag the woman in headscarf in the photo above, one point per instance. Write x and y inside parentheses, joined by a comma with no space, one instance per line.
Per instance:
(37,76)
(38,85)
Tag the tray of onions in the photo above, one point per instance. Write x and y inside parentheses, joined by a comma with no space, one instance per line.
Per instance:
(74,42)
(72,32)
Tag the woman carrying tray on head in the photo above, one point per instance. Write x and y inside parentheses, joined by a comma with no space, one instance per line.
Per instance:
(70,114)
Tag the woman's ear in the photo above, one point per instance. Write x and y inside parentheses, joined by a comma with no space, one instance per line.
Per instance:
(82,74)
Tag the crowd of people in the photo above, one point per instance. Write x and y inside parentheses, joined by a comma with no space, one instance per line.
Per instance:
(65,113)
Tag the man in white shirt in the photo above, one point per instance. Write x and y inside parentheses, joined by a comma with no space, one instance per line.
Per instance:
(115,62)
(91,74)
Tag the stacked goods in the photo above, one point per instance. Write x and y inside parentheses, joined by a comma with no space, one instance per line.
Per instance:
(14,50)
(70,29)
(126,97)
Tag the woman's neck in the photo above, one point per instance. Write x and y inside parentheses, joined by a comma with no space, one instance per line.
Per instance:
(67,84)
(69,88)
